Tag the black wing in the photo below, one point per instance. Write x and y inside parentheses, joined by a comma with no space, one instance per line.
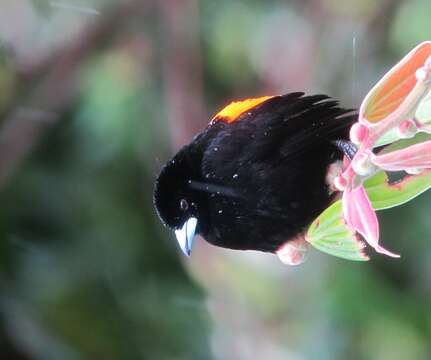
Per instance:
(282,128)
(275,156)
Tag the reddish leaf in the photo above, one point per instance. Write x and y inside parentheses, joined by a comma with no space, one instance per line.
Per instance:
(388,94)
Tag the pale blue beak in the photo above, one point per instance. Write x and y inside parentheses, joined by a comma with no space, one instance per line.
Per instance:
(186,234)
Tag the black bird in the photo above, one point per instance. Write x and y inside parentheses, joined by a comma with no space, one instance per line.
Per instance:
(257,176)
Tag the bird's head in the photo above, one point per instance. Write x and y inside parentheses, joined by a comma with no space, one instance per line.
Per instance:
(178,204)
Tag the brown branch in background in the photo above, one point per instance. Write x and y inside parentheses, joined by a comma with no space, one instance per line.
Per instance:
(38,107)
(182,68)
(32,112)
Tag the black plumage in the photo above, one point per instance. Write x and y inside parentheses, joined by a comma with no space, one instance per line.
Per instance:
(260,180)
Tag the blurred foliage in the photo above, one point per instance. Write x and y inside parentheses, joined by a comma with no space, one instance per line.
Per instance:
(95,95)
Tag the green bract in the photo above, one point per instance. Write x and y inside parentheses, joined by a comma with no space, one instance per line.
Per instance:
(330,234)
(384,195)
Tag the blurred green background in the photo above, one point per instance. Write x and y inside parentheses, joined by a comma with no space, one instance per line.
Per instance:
(95,95)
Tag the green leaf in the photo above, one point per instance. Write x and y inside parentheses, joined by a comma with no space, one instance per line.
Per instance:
(388,138)
(384,195)
(330,234)
(403,143)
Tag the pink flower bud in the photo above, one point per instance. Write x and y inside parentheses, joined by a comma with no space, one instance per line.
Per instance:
(358,133)
(407,129)
(362,164)
(422,74)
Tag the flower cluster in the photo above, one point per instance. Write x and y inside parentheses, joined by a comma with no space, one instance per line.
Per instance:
(396,108)
(388,113)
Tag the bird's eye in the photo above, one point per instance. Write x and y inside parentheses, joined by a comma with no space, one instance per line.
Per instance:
(184,205)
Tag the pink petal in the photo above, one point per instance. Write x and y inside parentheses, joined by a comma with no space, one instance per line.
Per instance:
(360,215)
(413,157)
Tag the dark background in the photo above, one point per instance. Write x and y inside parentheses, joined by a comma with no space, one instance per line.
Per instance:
(96,95)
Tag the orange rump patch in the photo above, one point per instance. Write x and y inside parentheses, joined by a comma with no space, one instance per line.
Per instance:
(232,112)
